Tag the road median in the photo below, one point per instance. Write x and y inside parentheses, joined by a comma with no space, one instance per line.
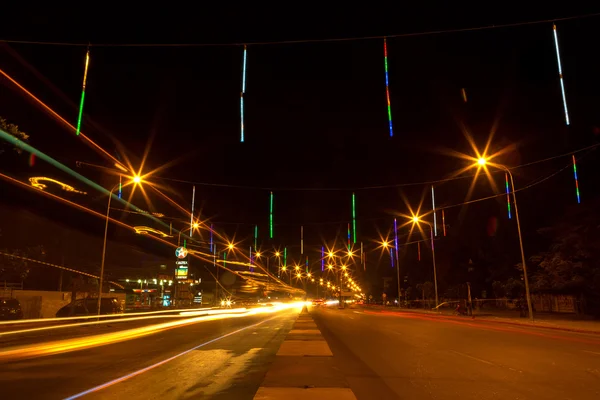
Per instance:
(304,367)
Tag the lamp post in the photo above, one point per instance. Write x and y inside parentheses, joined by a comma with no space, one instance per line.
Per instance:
(416,220)
(136,180)
(196,225)
(481,161)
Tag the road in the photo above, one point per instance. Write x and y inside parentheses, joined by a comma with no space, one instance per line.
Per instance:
(217,359)
(414,356)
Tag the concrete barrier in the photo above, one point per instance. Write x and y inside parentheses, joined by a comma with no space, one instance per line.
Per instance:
(304,367)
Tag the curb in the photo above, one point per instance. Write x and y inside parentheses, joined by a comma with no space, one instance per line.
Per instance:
(483,319)
(304,367)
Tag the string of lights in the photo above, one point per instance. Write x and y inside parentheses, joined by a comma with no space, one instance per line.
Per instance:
(300,41)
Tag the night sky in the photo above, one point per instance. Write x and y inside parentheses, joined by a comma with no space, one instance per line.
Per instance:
(316,113)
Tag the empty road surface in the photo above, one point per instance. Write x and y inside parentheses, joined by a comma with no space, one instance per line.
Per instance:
(416,356)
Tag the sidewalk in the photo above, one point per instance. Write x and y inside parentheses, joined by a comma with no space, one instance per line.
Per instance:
(304,368)
(563,322)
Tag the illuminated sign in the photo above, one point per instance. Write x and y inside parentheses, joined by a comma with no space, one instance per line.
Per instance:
(181,252)
(181,273)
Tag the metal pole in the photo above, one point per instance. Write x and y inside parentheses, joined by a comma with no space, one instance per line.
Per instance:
(434,270)
(104,249)
(527,294)
(398,274)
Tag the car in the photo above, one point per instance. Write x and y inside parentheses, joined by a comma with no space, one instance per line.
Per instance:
(10,309)
(81,307)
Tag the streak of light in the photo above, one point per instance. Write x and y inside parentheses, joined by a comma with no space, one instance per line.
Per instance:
(35,182)
(560,75)
(62,346)
(208,258)
(181,208)
(212,312)
(52,327)
(42,156)
(61,119)
(57,266)
(122,168)
(144,230)
(158,364)
(127,315)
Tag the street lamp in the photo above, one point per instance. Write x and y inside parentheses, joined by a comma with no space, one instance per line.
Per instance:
(482,161)
(416,220)
(195,225)
(135,180)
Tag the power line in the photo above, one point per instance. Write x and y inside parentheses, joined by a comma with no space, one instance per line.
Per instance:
(390,186)
(265,43)
(376,219)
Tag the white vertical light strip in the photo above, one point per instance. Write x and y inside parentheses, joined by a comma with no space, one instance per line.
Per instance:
(192,215)
(560,75)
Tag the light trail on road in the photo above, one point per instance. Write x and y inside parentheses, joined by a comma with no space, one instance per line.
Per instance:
(81,343)
(105,321)
(44,320)
(158,364)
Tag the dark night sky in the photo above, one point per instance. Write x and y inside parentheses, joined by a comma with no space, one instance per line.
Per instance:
(315,112)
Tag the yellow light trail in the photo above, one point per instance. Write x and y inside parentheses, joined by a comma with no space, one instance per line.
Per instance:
(208,258)
(61,119)
(144,230)
(52,327)
(49,320)
(35,182)
(68,345)
(118,164)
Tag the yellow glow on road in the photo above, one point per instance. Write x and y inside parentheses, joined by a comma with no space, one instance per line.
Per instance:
(62,346)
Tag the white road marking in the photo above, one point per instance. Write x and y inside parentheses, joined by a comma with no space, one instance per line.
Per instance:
(591,352)
(471,357)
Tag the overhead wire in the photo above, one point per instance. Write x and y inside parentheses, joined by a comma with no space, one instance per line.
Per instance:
(362,188)
(300,41)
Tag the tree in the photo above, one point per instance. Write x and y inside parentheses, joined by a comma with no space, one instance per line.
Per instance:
(13,130)
(573,260)
(426,290)
(13,267)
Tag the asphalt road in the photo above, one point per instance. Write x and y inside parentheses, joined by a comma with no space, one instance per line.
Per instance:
(193,361)
(413,356)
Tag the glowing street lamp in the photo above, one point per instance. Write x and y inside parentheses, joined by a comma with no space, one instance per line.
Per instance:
(483,162)
(195,225)
(136,180)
